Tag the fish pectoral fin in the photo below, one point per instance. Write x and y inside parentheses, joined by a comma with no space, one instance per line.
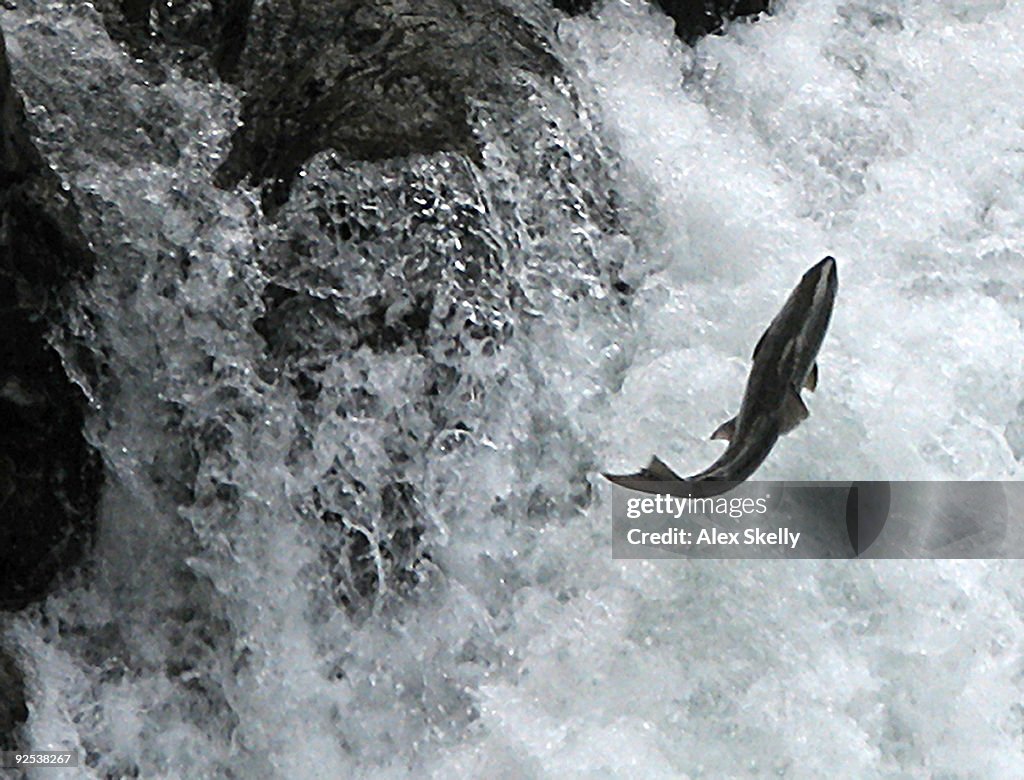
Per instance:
(726,430)
(811,382)
(658,470)
(794,411)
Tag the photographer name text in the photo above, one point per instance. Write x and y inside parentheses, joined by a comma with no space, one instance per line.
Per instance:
(682,537)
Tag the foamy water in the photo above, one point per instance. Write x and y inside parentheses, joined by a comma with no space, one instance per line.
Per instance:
(223,630)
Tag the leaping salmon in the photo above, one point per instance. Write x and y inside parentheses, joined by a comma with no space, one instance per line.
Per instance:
(784,362)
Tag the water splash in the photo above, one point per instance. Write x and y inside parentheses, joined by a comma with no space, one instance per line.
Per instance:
(353,526)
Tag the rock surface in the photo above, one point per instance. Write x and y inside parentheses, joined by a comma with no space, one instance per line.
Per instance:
(693,18)
(49,476)
(368,79)
(373,82)
(13,710)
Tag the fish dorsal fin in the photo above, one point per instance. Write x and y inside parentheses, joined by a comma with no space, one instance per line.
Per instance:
(656,469)
(726,430)
(811,382)
(794,411)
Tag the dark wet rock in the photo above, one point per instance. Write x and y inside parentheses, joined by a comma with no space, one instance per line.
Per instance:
(49,476)
(693,18)
(13,709)
(696,18)
(370,80)
(573,6)
(204,38)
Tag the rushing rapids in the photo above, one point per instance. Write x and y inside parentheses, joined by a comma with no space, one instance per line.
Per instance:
(375,295)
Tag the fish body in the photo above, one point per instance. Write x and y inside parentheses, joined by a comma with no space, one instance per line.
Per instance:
(784,362)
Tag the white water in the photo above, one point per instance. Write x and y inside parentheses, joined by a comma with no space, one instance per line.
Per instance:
(201,637)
